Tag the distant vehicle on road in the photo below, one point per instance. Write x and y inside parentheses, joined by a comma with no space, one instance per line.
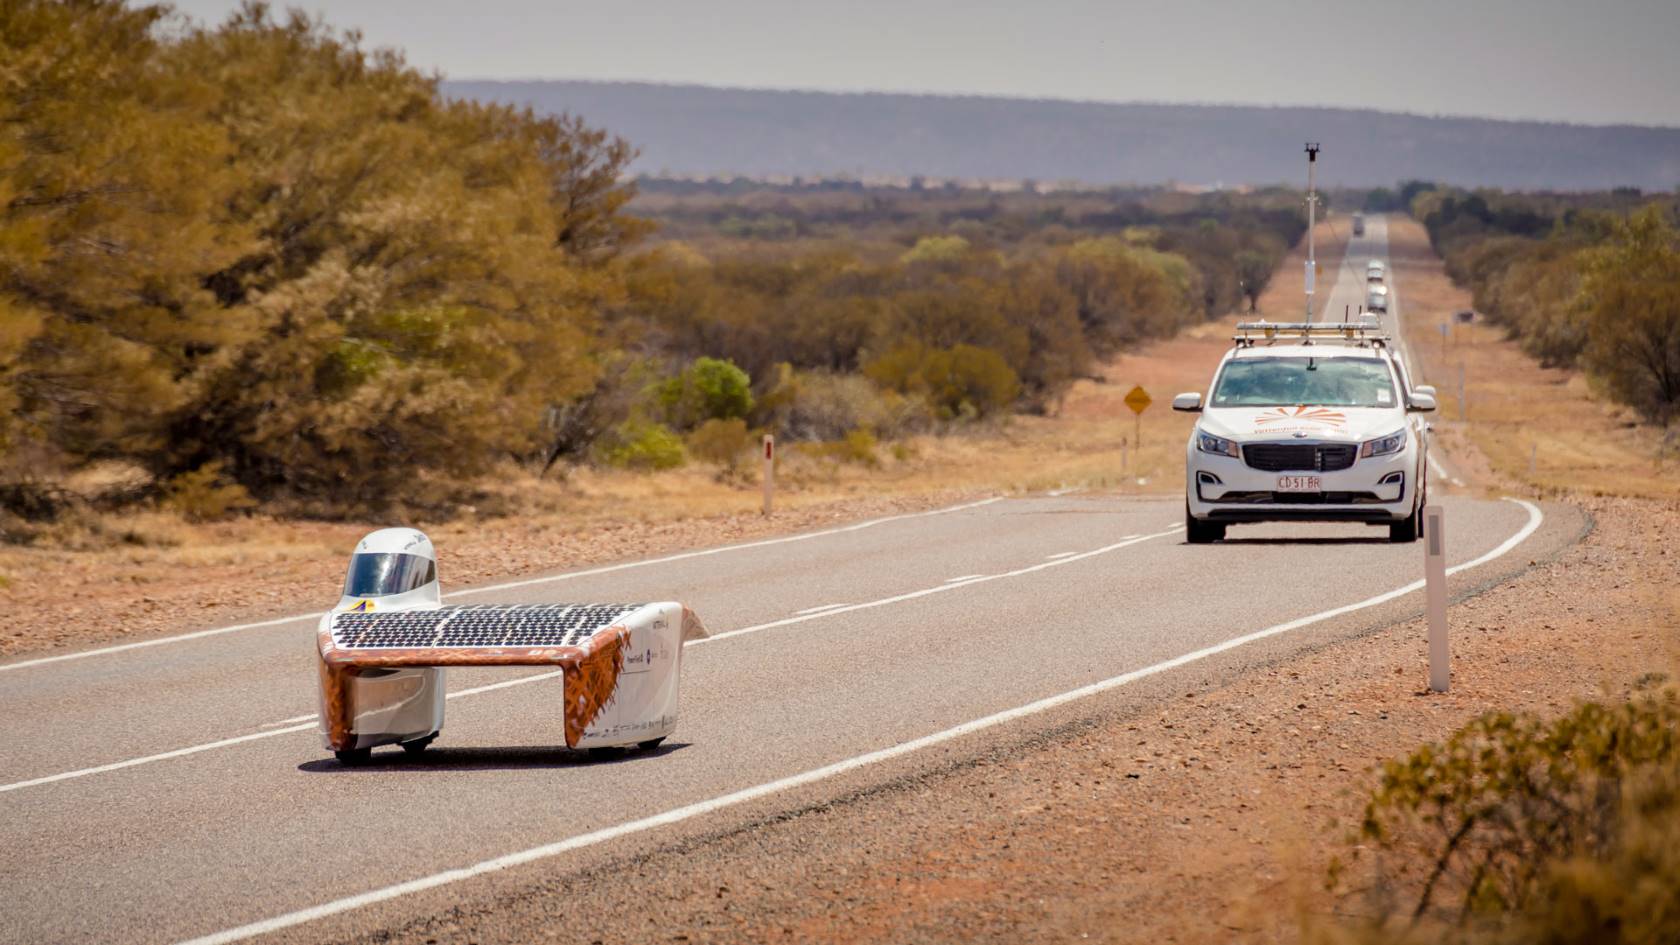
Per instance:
(1358,225)
(1376,297)
(1375,270)
(1307,422)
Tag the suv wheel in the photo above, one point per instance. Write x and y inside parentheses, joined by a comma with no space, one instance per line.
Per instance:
(1198,532)
(1410,527)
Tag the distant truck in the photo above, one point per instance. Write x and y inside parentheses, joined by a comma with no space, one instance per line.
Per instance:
(1358,225)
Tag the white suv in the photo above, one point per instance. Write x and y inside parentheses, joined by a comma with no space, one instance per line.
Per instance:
(1307,422)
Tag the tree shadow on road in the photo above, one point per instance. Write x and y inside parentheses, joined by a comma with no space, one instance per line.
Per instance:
(503,758)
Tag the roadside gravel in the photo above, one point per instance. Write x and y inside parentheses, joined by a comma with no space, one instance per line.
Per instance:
(1207,819)
(86,600)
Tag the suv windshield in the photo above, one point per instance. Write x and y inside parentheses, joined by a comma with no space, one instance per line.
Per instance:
(377,575)
(1329,382)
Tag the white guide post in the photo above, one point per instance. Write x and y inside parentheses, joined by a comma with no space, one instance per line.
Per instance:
(1312,221)
(769,471)
(1435,589)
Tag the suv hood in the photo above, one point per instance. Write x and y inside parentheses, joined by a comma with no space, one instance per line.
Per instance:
(1335,424)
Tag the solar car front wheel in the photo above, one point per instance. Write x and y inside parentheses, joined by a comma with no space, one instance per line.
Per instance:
(415,747)
(353,756)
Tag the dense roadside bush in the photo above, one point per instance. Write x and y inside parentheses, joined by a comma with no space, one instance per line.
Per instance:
(1581,280)
(262,247)
(640,444)
(1517,830)
(259,263)
(708,389)
(963,381)
(824,406)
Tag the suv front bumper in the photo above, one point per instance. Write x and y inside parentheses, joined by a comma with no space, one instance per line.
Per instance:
(1377,489)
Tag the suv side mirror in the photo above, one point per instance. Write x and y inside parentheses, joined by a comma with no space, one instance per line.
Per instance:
(1421,402)
(1424,389)
(1190,403)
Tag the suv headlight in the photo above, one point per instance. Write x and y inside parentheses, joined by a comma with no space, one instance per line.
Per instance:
(1218,445)
(1383,445)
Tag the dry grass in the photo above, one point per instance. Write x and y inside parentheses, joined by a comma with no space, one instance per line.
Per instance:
(1513,409)
(138,573)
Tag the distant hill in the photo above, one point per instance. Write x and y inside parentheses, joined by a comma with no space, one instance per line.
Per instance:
(701,130)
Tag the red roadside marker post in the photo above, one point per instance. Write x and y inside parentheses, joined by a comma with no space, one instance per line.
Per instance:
(769,471)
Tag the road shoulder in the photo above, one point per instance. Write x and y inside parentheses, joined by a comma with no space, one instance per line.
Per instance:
(1210,815)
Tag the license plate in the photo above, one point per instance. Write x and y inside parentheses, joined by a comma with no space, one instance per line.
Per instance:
(1300,484)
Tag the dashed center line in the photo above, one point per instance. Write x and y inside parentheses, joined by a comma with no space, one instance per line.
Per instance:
(812,610)
(282,728)
(811,776)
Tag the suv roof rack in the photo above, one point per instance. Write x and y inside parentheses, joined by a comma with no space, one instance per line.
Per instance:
(1360,333)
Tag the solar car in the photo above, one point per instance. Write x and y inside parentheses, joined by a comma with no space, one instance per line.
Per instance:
(382,652)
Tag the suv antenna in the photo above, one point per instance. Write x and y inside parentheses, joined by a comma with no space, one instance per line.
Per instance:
(1312,220)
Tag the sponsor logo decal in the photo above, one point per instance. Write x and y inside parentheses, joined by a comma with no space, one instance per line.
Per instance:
(1302,418)
(362,607)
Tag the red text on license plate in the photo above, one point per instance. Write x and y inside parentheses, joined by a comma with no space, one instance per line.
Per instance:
(1300,484)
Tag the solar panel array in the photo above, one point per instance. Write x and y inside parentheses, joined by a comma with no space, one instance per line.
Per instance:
(478,625)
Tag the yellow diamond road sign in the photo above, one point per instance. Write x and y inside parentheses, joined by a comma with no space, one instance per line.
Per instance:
(1138,399)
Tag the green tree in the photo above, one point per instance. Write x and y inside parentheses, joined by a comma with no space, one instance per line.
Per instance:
(112,183)
(1631,292)
(708,389)
(962,382)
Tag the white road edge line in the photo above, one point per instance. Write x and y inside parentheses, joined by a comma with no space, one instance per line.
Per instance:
(1441,470)
(1064,554)
(218,631)
(690,811)
(268,730)
(963,577)
(522,680)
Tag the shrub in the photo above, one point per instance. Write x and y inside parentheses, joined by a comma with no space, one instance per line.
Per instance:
(1631,291)
(708,389)
(936,249)
(1518,830)
(640,444)
(858,447)
(817,405)
(206,495)
(962,382)
(723,443)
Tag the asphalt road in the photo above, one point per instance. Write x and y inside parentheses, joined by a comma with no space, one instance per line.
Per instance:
(174,791)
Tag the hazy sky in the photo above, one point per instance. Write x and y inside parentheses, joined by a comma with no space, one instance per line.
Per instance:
(1598,61)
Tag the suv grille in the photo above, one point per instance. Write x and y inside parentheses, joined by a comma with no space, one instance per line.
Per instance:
(1306,457)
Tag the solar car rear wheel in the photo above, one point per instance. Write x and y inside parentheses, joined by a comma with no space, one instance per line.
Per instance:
(353,756)
(417,746)
(650,744)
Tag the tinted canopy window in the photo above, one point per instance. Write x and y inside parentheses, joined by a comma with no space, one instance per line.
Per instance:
(1279,382)
(377,575)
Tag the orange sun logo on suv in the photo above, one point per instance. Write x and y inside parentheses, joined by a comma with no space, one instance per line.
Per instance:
(1302,414)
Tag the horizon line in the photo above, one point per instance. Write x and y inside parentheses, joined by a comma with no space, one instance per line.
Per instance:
(1154,103)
